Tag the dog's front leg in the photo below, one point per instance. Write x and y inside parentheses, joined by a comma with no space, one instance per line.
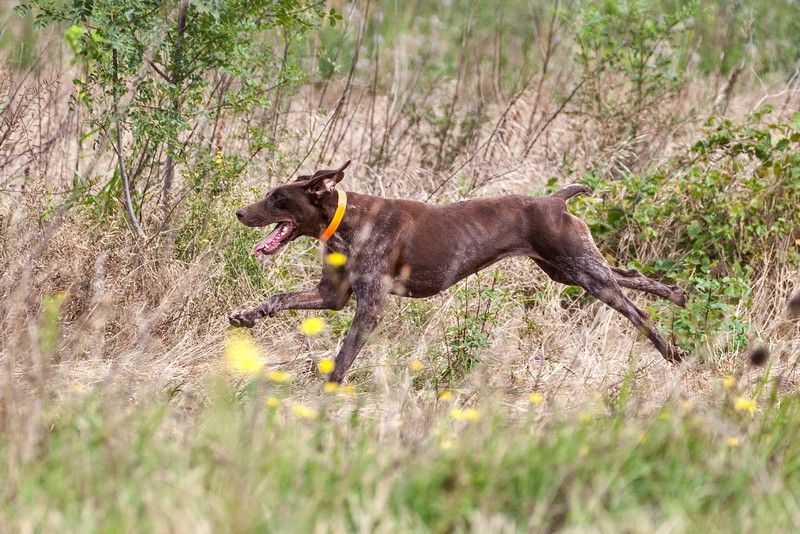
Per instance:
(369,309)
(326,296)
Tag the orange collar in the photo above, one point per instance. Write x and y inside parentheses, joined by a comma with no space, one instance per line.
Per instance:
(337,216)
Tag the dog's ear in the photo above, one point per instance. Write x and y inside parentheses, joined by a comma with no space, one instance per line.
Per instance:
(324,181)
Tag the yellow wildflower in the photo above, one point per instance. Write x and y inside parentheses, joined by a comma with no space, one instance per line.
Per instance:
(729,382)
(446,444)
(415,366)
(335,259)
(279,377)
(732,442)
(272,402)
(536,398)
(331,387)
(326,366)
(467,414)
(742,404)
(304,412)
(312,326)
(218,158)
(242,355)
(348,389)
(445,395)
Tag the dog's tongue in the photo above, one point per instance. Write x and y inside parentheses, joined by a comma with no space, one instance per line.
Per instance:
(274,240)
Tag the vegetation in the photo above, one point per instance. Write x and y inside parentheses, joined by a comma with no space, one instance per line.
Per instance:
(130,131)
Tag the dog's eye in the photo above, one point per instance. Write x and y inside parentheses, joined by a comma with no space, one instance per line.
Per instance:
(278,200)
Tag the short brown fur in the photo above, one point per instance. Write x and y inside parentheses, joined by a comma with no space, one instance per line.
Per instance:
(413,249)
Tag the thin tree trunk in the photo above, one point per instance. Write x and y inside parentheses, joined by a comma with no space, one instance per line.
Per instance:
(176,79)
(126,186)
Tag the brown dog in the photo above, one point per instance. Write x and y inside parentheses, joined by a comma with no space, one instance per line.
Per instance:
(413,249)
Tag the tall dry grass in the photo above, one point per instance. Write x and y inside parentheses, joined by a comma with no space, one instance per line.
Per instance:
(88,307)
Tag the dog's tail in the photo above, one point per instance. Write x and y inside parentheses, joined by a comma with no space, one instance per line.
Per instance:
(572,190)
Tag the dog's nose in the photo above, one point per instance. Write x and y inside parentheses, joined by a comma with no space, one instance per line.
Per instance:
(239,214)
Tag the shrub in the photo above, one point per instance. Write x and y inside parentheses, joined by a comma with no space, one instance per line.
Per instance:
(722,214)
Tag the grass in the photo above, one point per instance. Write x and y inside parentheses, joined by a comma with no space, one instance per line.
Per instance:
(507,403)
(235,463)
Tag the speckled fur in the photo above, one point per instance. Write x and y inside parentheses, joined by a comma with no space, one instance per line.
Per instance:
(413,249)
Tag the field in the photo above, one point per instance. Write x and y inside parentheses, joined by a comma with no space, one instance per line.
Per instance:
(130,132)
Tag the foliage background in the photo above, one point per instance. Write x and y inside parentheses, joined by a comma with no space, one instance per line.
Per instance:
(116,408)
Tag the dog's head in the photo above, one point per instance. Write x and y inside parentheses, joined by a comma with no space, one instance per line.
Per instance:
(296,208)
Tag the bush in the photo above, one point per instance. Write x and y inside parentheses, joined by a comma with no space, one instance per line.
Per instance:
(722,214)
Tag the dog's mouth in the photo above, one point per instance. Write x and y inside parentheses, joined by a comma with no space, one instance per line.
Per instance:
(279,236)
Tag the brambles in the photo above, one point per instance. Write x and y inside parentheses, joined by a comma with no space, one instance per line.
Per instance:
(712,225)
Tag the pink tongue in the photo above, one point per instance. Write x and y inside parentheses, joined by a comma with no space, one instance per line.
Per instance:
(271,243)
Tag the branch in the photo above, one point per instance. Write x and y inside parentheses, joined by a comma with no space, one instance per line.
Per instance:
(126,186)
(159,71)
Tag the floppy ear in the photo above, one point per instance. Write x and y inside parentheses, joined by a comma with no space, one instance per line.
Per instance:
(324,181)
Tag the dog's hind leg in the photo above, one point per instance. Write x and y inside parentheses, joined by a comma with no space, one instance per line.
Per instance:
(596,278)
(554,273)
(633,279)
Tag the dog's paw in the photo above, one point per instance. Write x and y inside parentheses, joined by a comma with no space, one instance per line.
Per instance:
(268,309)
(242,320)
(679,296)
(676,355)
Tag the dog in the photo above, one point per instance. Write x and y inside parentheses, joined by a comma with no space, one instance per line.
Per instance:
(413,249)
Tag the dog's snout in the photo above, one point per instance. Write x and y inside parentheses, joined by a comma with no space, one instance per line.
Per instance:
(240,213)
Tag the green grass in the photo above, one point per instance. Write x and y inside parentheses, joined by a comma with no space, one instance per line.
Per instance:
(236,464)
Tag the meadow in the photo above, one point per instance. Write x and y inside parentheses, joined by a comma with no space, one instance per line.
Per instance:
(130,132)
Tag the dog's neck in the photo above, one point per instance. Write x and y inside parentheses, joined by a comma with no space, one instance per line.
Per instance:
(348,231)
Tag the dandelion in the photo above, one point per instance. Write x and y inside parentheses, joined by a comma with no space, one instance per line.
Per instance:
(445,395)
(536,398)
(242,355)
(732,442)
(330,387)
(272,402)
(743,404)
(728,382)
(415,366)
(279,377)
(326,366)
(467,414)
(304,412)
(312,326)
(335,259)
